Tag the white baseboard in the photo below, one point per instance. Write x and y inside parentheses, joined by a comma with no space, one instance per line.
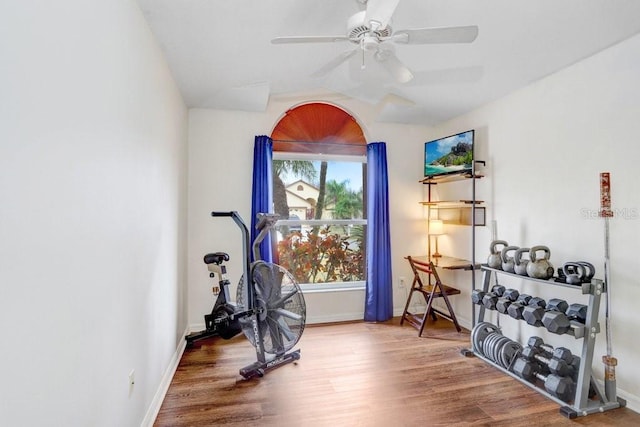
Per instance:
(161,392)
(633,402)
(420,308)
(330,318)
(194,327)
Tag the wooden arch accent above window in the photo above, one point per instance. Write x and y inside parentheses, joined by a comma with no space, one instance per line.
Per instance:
(318,128)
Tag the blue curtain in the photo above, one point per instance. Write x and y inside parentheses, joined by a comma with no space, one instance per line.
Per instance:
(379,291)
(262,190)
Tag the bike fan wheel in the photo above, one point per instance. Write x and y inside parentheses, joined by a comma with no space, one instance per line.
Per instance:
(283,311)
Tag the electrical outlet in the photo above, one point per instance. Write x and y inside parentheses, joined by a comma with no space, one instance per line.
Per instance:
(132,377)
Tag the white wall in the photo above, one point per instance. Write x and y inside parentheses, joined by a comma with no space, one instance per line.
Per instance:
(545,146)
(220,174)
(93,161)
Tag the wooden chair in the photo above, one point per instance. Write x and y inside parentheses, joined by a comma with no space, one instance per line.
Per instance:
(429,292)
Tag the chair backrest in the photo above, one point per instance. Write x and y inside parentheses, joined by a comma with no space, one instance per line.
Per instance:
(422,267)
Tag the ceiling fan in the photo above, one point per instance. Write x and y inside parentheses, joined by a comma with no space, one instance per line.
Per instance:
(371,31)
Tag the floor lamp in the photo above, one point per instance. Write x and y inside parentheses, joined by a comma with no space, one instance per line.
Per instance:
(436,228)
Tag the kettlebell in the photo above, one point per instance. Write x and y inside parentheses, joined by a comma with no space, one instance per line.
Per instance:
(575,272)
(507,261)
(495,257)
(519,264)
(539,268)
(589,271)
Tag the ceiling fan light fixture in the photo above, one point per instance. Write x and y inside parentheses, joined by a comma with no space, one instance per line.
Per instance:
(370,43)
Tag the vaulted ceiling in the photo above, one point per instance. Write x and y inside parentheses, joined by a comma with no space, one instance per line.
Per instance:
(221,55)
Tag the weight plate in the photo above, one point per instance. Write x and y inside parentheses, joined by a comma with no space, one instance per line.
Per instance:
(509,353)
(480,333)
(498,346)
(487,346)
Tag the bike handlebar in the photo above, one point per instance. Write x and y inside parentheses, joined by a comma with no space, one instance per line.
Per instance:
(246,267)
(223,213)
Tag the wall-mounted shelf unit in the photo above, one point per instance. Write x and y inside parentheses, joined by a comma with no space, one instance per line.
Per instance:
(453,177)
(457,212)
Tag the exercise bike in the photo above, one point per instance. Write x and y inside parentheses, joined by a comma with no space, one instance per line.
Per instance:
(269,308)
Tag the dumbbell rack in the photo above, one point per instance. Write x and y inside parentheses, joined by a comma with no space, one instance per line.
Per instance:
(582,404)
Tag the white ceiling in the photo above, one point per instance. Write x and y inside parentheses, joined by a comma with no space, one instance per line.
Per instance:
(220,53)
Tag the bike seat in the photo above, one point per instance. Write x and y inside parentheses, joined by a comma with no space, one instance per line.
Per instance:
(216,258)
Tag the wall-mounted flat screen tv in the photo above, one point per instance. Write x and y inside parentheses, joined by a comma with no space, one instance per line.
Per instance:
(449,155)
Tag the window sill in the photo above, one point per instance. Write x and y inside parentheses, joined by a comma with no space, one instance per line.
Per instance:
(326,288)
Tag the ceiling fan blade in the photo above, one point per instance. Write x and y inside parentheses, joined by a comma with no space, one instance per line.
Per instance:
(379,12)
(343,57)
(308,39)
(465,34)
(388,59)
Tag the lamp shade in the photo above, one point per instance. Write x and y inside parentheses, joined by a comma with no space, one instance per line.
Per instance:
(436,227)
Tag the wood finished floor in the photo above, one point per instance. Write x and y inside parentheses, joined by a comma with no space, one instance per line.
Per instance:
(360,374)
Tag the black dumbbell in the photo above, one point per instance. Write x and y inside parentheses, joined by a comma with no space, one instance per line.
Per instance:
(515,309)
(508,296)
(498,290)
(476,296)
(577,312)
(575,366)
(511,294)
(559,322)
(546,351)
(489,300)
(533,312)
(538,342)
(537,309)
(561,387)
(560,362)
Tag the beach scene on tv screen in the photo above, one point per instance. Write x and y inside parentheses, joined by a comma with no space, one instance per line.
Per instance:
(453,154)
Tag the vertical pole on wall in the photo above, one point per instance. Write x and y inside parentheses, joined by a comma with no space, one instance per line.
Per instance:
(609,361)
(474,176)
(473,238)
(428,222)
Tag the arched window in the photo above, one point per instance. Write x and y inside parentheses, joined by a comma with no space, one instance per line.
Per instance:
(318,128)
(325,147)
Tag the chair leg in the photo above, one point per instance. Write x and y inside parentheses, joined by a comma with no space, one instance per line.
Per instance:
(406,306)
(426,313)
(453,315)
(433,313)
